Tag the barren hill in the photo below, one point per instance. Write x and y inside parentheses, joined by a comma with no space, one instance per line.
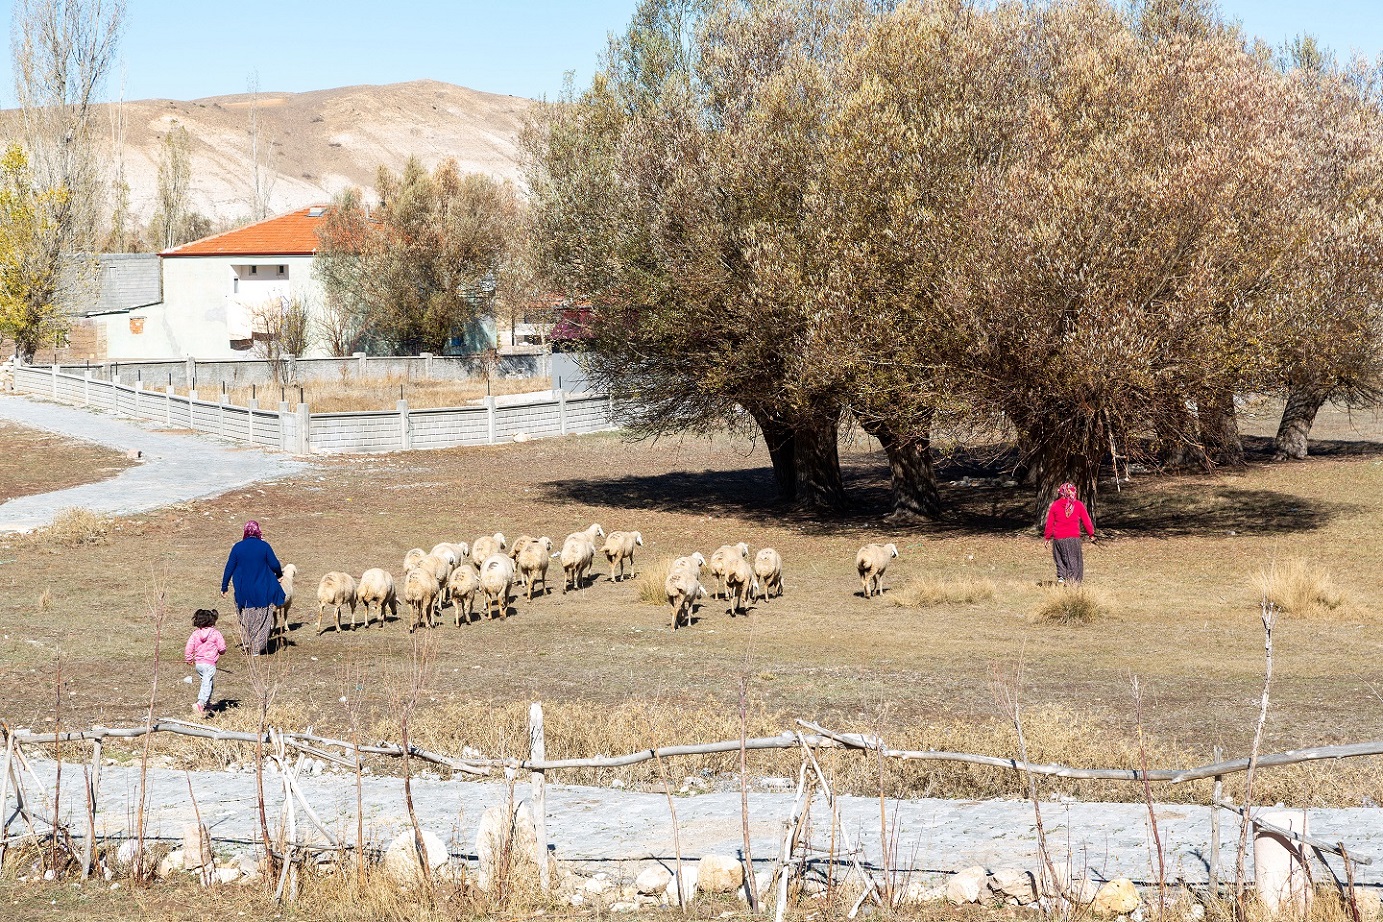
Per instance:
(315,144)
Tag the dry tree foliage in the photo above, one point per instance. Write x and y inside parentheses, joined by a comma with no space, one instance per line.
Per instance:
(1297,587)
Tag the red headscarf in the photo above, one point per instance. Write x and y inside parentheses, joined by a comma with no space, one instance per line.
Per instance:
(252,530)
(1067,491)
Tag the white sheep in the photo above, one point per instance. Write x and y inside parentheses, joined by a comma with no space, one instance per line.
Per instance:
(461,585)
(533,560)
(420,591)
(871,562)
(518,544)
(683,588)
(410,560)
(440,568)
(496,579)
(578,553)
(768,569)
(721,559)
(377,590)
(486,545)
(281,612)
(740,584)
(336,590)
(452,553)
(619,547)
(693,563)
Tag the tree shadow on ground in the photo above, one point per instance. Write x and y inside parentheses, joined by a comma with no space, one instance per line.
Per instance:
(1260,448)
(974,498)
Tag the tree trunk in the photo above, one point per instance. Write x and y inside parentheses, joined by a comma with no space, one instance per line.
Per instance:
(782,451)
(1056,459)
(911,470)
(1303,403)
(816,456)
(1179,441)
(1219,428)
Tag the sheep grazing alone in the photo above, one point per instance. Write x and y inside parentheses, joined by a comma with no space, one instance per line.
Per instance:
(619,547)
(768,569)
(721,559)
(683,588)
(740,585)
(461,586)
(496,579)
(376,591)
(871,562)
(281,613)
(533,560)
(485,546)
(410,560)
(420,591)
(578,553)
(336,590)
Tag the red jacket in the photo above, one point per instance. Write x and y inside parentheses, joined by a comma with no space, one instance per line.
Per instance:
(1060,524)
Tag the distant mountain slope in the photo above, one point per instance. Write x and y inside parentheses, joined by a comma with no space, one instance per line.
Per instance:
(314,144)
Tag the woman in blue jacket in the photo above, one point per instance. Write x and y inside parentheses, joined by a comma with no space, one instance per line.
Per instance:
(255,571)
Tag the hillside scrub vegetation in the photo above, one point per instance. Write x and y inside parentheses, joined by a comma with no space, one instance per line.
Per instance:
(1086,225)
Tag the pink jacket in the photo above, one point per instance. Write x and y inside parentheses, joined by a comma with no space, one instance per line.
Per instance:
(205,646)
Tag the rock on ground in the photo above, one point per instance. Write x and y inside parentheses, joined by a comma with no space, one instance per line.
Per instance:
(653,880)
(1116,898)
(502,835)
(401,858)
(966,886)
(719,874)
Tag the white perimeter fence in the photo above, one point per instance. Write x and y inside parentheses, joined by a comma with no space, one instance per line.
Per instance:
(297,430)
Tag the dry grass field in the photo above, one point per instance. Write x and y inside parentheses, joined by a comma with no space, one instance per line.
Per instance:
(1177,568)
(39,462)
(352,395)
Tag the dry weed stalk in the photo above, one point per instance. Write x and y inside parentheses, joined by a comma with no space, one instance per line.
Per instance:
(156,606)
(1148,800)
(1269,617)
(264,682)
(404,699)
(352,682)
(676,832)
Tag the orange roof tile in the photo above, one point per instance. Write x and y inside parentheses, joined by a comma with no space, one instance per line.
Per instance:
(292,234)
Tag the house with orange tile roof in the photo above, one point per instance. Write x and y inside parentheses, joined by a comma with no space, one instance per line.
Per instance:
(217,290)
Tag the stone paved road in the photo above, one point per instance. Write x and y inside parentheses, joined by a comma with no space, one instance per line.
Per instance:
(622,830)
(175,467)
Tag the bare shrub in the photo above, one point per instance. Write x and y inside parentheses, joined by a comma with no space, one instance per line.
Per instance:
(926,591)
(1073,604)
(45,600)
(1297,587)
(650,582)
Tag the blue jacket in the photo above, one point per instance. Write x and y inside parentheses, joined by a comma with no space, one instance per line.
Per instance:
(255,571)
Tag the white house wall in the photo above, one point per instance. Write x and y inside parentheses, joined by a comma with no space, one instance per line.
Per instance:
(193,318)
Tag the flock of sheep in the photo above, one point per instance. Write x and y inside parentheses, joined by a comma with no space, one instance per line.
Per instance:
(459,574)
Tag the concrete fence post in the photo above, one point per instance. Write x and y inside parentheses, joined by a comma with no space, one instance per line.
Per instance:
(191,372)
(54,370)
(405,429)
(304,430)
(360,364)
(86,388)
(168,404)
(610,410)
(562,410)
(427,364)
(490,419)
(287,432)
(138,392)
(192,410)
(253,408)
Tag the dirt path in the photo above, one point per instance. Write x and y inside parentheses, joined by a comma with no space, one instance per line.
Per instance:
(174,467)
(623,830)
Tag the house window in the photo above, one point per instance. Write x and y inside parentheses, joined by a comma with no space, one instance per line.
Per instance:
(254,270)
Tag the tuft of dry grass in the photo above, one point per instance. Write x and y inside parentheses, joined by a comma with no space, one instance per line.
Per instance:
(927,591)
(1073,604)
(650,582)
(45,599)
(75,527)
(1297,587)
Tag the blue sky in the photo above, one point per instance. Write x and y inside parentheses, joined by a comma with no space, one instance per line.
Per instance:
(192,48)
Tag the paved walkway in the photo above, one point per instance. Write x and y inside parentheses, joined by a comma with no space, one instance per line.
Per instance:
(623,830)
(175,467)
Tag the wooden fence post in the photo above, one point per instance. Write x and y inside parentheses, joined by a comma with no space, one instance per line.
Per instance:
(537,752)
(93,787)
(1215,830)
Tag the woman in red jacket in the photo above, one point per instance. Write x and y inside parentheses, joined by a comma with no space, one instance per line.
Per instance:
(1065,517)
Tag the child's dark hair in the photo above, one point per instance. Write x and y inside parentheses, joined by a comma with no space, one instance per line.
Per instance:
(205,617)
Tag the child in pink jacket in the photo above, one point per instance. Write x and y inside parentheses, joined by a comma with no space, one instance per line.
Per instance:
(204,648)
